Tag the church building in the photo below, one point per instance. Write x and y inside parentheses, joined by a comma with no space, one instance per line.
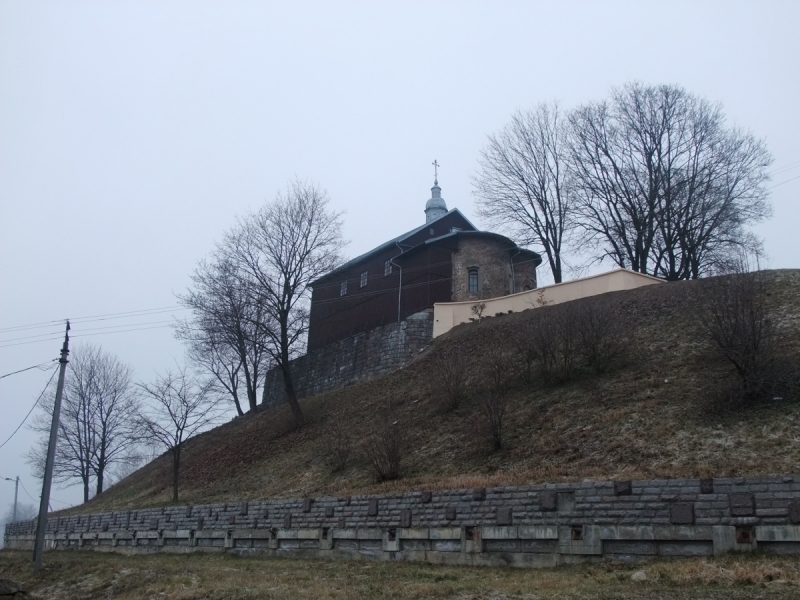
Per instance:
(446,259)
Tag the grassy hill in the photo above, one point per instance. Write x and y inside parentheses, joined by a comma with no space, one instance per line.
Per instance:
(657,414)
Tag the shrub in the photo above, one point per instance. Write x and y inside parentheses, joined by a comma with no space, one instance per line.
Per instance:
(735,320)
(496,376)
(388,449)
(450,376)
(341,441)
(601,341)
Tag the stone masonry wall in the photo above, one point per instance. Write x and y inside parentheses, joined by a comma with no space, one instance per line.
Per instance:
(533,525)
(358,358)
(494,269)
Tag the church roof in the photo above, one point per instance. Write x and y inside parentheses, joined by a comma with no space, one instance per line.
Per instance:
(484,234)
(392,242)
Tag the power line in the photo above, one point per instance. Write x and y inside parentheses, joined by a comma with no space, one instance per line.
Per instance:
(133,328)
(29,368)
(782,182)
(26,491)
(31,410)
(40,335)
(92,318)
(788,167)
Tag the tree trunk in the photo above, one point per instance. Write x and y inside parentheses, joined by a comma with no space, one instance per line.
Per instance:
(288,384)
(237,403)
(85,490)
(291,395)
(101,468)
(176,463)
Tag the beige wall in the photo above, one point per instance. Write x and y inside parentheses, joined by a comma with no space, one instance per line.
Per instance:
(447,315)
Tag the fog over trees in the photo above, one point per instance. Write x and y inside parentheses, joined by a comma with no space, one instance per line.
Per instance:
(651,178)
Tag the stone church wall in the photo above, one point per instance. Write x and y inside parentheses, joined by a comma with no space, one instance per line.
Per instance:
(494,269)
(361,357)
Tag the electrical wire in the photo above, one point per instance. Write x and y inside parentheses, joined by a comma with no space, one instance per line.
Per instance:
(32,407)
(26,491)
(44,364)
(106,317)
(788,167)
(782,182)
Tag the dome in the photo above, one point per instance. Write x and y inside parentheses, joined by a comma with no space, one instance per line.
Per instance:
(435,207)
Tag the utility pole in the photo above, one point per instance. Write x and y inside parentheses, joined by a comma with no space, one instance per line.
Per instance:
(41,525)
(16,491)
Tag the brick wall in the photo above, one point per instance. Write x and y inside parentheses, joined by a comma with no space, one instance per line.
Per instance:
(358,358)
(520,525)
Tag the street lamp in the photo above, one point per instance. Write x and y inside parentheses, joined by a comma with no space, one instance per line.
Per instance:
(16,490)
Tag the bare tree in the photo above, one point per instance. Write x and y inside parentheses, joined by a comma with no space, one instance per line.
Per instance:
(226,335)
(735,319)
(177,406)
(96,430)
(278,251)
(523,181)
(662,186)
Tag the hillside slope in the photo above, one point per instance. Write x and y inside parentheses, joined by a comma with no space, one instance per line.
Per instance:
(651,417)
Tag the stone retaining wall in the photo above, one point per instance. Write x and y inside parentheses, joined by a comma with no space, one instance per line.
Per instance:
(536,525)
(358,358)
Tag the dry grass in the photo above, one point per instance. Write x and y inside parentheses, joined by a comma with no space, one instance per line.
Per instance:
(655,416)
(87,575)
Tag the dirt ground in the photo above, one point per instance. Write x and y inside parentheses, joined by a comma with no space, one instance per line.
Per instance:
(89,575)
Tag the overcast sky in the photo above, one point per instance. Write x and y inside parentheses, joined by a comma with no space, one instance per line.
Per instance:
(133,133)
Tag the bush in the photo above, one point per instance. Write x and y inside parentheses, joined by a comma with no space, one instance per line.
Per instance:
(557,340)
(341,441)
(736,322)
(496,376)
(450,376)
(601,340)
(388,449)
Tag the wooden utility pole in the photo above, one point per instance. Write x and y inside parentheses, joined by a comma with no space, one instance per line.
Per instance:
(41,525)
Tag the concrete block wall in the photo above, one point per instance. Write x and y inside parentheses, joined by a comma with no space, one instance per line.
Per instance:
(534,525)
(361,357)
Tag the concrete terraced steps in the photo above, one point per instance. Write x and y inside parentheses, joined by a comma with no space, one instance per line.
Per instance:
(537,525)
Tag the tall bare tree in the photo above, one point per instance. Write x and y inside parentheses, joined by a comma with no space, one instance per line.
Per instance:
(227,334)
(523,182)
(278,251)
(96,430)
(176,406)
(662,185)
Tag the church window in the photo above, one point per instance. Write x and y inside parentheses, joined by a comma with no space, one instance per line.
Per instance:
(363,279)
(387,267)
(431,230)
(473,280)
(343,289)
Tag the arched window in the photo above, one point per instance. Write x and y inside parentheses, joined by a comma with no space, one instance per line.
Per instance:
(473,279)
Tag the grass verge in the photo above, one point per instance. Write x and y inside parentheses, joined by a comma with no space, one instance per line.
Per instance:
(86,575)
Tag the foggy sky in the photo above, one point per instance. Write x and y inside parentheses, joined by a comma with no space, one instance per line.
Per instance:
(132,134)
